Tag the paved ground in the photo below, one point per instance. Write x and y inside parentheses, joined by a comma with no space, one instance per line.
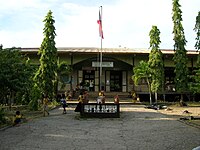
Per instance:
(136,129)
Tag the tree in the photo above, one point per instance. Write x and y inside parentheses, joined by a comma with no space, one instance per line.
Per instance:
(46,73)
(15,74)
(180,56)
(197,44)
(195,84)
(142,71)
(156,61)
(63,69)
(24,95)
(197,29)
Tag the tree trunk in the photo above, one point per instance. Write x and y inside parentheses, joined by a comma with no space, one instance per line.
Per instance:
(182,97)
(156,97)
(10,101)
(150,99)
(150,95)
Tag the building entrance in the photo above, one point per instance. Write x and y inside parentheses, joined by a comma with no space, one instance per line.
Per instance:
(88,79)
(116,81)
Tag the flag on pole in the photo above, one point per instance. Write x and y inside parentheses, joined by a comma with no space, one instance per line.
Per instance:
(100,24)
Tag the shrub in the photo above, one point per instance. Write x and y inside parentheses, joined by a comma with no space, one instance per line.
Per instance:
(2,116)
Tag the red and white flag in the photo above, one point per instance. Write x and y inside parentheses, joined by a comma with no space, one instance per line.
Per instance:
(100,24)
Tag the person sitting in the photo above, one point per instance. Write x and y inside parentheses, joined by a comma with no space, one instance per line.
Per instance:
(102,96)
(99,99)
(80,98)
(17,118)
(85,97)
(68,95)
(80,101)
(77,87)
(116,99)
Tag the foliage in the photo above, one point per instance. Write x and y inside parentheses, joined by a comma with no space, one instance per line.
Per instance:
(24,96)
(156,61)
(45,76)
(180,56)
(142,71)
(63,69)
(15,74)
(53,104)
(197,29)
(153,70)
(35,97)
(195,84)
(2,116)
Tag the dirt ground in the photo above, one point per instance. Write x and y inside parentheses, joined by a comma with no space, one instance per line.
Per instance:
(184,112)
(172,110)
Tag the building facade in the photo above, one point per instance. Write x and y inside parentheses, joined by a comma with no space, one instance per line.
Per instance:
(115,72)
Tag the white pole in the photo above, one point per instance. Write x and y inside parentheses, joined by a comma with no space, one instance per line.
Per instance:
(101,57)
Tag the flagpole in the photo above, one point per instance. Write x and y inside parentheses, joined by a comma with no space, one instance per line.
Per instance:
(101,72)
(101,57)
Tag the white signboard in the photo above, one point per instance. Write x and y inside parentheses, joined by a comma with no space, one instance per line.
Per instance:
(104,64)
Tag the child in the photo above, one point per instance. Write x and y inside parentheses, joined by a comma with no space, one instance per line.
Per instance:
(81,98)
(80,101)
(85,97)
(102,96)
(45,105)
(99,99)
(17,118)
(64,103)
(116,99)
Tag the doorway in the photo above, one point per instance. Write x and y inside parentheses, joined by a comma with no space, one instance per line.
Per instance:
(116,81)
(88,79)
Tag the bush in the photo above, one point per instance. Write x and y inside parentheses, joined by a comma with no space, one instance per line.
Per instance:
(35,96)
(2,116)
(33,105)
(54,103)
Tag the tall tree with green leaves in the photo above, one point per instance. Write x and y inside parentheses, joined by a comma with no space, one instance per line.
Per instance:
(15,75)
(156,61)
(180,56)
(197,30)
(142,71)
(46,73)
(195,84)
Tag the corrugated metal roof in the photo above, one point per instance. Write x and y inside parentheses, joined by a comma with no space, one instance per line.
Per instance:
(106,50)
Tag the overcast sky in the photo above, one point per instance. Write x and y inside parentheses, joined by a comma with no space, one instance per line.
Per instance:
(126,23)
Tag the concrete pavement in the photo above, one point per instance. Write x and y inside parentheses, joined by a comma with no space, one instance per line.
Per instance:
(136,129)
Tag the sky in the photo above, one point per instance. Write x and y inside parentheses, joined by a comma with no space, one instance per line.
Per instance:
(126,23)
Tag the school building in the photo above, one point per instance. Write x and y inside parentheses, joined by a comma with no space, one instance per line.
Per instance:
(117,67)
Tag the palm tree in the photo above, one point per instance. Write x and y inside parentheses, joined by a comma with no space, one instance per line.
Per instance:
(142,71)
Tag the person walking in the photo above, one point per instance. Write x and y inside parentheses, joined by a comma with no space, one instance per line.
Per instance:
(45,105)
(64,103)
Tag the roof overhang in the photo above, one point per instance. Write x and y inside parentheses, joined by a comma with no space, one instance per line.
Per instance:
(105,50)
